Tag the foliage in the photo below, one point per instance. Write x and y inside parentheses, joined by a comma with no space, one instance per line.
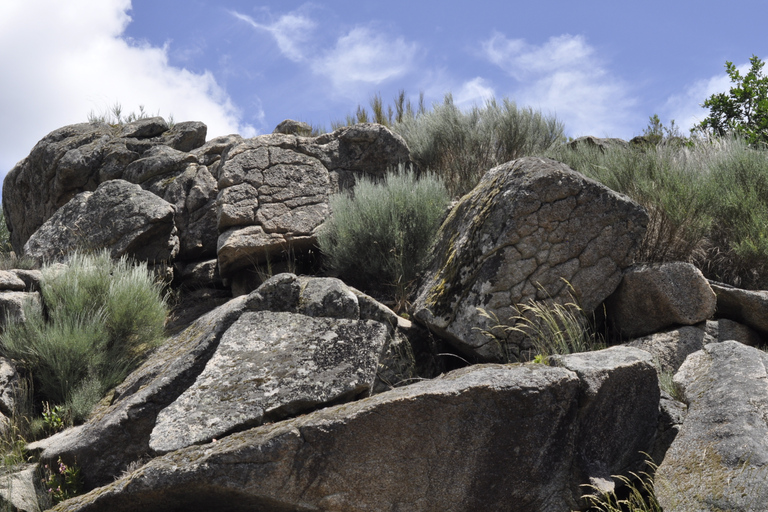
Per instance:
(62,482)
(549,326)
(53,418)
(657,133)
(744,110)
(460,146)
(102,316)
(640,495)
(382,232)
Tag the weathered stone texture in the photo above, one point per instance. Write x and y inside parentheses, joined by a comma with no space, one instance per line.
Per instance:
(528,229)
(719,459)
(118,216)
(77,158)
(655,297)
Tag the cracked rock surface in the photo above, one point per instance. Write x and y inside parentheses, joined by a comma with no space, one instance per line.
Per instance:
(530,227)
(274,189)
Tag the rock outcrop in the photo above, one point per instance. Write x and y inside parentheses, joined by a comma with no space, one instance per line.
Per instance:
(118,216)
(532,229)
(274,189)
(487,437)
(293,345)
(719,459)
(78,158)
(749,307)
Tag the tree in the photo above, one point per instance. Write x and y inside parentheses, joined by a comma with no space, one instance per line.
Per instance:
(744,110)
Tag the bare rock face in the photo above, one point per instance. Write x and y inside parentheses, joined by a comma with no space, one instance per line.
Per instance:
(719,459)
(482,438)
(118,216)
(749,307)
(618,383)
(486,437)
(671,348)
(269,366)
(655,297)
(529,226)
(274,189)
(293,345)
(78,158)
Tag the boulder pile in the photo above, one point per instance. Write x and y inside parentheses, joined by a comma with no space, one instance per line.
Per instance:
(297,392)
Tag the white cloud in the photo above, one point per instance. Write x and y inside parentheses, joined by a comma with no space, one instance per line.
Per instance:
(365,56)
(291,31)
(564,77)
(62,60)
(686,109)
(473,92)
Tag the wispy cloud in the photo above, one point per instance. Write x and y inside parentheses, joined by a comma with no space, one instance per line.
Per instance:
(366,56)
(291,31)
(565,77)
(473,92)
(81,62)
(361,56)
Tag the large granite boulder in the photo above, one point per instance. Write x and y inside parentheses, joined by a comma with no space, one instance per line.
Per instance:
(274,189)
(654,297)
(719,459)
(529,228)
(293,345)
(619,383)
(486,437)
(482,438)
(77,158)
(269,366)
(118,216)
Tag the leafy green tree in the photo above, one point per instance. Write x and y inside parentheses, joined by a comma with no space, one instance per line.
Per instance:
(744,110)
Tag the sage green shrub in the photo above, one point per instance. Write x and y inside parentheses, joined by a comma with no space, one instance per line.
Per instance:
(382,232)
(100,317)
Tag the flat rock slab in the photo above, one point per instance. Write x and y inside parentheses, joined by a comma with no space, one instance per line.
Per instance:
(529,228)
(268,366)
(719,459)
(488,437)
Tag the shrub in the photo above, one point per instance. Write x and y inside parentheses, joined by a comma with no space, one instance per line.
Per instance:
(461,146)
(382,232)
(102,315)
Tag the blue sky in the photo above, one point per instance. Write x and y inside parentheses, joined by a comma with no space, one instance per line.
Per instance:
(602,67)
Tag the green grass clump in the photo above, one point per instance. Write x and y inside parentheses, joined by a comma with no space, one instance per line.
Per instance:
(461,146)
(100,317)
(382,232)
(549,327)
(707,200)
(638,494)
